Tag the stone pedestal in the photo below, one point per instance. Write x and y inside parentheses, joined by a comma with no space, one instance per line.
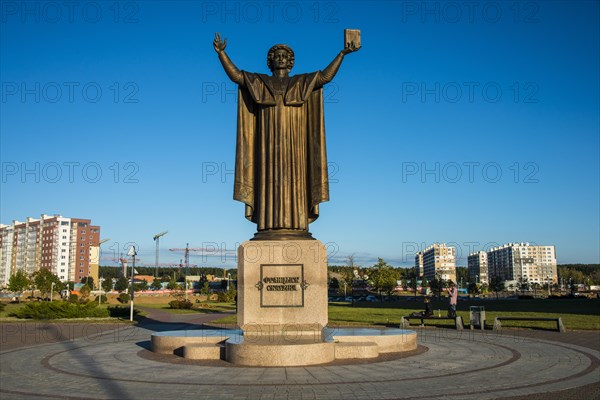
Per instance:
(282,288)
(282,313)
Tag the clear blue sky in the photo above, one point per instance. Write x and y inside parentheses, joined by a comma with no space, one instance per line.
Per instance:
(472,125)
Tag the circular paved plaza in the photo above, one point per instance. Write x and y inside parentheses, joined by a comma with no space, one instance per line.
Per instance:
(116,364)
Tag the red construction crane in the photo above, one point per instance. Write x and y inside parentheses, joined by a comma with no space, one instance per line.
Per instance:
(187,254)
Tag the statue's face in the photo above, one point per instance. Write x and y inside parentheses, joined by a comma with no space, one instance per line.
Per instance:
(281,59)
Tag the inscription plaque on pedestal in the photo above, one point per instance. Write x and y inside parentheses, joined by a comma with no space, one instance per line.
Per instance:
(282,285)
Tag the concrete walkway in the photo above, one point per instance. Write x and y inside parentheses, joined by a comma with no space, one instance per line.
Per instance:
(116,364)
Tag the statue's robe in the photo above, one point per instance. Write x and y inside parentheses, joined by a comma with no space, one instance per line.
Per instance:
(281,162)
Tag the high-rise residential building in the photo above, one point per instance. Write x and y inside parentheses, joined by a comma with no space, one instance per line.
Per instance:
(523,262)
(68,247)
(477,267)
(419,263)
(439,259)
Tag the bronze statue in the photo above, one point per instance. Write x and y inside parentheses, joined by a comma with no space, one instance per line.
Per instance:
(281,162)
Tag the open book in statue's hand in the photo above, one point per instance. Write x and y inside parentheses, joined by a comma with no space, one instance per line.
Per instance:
(351,40)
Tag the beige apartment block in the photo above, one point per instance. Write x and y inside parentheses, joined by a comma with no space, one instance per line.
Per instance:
(477,267)
(523,261)
(439,259)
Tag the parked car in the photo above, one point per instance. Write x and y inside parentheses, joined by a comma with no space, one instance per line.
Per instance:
(371,298)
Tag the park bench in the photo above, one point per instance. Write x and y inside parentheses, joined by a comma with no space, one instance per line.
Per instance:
(405,321)
(498,325)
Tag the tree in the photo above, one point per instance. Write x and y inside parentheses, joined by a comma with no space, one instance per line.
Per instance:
(473,288)
(461,275)
(107,284)
(85,291)
(19,281)
(424,284)
(121,284)
(88,280)
(383,277)
(173,285)
(141,286)
(205,289)
(43,280)
(437,284)
(523,283)
(496,285)
(156,284)
(412,280)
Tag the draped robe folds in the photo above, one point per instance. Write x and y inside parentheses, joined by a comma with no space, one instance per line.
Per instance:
(281,162)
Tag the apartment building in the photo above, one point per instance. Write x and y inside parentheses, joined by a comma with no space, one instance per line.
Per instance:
(419,263)
(439,259)
(522,261)
(477,267)
(69,247)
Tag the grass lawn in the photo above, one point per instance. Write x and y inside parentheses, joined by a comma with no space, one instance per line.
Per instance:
(576,313)
(204,307)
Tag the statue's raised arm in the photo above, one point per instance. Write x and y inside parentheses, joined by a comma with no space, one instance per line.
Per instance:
(230,69)
(329,72)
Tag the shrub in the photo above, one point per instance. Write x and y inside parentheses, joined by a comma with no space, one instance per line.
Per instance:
(180,304)
(226,297)
(60,309)
(121,312)
(2,305)
(103,299)
(73,298)
(123,298)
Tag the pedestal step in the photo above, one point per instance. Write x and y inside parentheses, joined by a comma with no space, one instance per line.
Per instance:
(202,351)
(356,350)
(279,352)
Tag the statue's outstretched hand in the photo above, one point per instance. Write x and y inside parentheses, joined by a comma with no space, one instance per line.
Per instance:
(350,48)
(219,44)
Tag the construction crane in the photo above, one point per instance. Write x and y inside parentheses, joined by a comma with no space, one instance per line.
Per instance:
(157,240)
(186,256)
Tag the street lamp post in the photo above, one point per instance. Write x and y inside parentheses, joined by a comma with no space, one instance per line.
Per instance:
(100,290)
(132,253)
(51,291)
(416,276)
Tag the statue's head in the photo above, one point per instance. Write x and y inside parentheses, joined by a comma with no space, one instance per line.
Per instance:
(280,56)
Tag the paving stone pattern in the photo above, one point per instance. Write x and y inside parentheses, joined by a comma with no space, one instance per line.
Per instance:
(116,364)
